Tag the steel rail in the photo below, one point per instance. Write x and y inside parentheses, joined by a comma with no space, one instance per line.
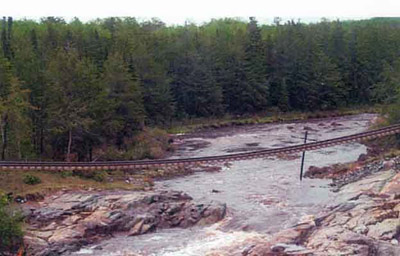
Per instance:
(142,164)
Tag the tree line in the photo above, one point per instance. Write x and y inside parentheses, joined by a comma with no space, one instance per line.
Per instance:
(72,87)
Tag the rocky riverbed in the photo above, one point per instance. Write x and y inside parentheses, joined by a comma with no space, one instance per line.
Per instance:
(66,221)
(264,201)
(365,223)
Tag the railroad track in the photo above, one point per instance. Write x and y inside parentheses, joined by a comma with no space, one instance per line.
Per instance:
(143,164)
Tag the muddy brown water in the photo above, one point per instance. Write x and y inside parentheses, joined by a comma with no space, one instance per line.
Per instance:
(263,195)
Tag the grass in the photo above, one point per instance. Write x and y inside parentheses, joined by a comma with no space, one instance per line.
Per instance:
(15,182)
(191,125)
(26,184)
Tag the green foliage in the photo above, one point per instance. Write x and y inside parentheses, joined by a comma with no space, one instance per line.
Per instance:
(65,174)
(10,227)
(79,91)
(394,111)
(99,176)
(150,144)
(125,99)
(254,91)
(31,179)
(386,91)
(14,122)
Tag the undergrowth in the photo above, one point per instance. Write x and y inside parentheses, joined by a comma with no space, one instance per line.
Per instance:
(10,227)
(152,143)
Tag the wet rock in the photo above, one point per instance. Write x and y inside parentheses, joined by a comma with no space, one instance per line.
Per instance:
(336,124)
(65,223)
(212,214)
(362,158)
(315,172)
(252,144)
(136,229)
(307,128)
(289,249)
(327,172)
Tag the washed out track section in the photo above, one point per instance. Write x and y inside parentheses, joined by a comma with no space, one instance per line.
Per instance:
(143,164)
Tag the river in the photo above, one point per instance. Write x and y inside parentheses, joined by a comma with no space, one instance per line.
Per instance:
(263,196)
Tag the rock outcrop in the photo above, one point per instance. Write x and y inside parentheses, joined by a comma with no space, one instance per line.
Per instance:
(70,220)
(365,221)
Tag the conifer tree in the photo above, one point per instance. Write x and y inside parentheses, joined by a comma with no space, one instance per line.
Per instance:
(255,91)
(125,96)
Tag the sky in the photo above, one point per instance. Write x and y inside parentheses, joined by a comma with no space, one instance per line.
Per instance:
(175,12)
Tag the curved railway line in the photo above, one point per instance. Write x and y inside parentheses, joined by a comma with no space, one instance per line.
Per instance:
(142,164)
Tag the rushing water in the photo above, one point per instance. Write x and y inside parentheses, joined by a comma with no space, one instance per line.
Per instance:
(263,195)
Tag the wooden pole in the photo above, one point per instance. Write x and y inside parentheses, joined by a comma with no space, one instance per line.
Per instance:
(302,159)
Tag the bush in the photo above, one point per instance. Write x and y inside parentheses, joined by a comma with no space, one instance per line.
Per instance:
(31,179)
(98,176)
(394,113)
(10,228)
(65,174)
(151,143)
(394,117)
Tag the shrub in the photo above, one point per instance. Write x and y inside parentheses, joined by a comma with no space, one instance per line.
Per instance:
(99,176)
(151,143)
(10,228)
(394,117)
(65,174)
(31,179)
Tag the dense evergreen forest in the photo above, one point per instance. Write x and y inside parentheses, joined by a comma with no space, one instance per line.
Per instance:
(72,87)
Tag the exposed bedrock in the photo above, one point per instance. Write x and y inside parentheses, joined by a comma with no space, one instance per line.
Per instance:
(67,221)
(365,222)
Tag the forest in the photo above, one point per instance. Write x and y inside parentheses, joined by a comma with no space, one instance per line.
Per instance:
(71,90)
